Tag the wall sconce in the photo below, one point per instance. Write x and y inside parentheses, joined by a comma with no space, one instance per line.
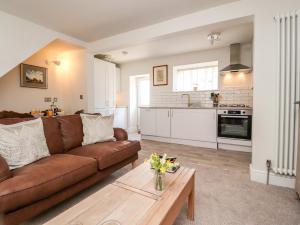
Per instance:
(55,62)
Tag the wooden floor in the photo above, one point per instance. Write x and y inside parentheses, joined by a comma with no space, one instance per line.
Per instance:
(200,156)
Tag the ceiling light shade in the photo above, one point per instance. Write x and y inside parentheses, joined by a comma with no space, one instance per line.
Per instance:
(212,37)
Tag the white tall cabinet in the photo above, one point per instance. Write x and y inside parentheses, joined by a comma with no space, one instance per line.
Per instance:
(104,87)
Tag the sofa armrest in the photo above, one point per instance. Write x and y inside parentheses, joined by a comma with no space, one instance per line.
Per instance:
(120,134)
(5,173)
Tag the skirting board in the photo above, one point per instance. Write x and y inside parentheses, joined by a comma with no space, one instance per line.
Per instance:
(274,179)
(238,148)
(212,145)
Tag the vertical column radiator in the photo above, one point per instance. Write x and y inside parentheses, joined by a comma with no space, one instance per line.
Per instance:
(288,91)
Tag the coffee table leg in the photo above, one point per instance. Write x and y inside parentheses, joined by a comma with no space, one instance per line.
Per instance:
(191,201)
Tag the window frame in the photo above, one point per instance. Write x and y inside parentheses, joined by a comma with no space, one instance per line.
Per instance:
(195,66)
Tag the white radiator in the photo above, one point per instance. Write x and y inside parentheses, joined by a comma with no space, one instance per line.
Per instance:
(288,91)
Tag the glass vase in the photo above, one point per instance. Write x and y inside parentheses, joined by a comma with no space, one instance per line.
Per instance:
(159,181)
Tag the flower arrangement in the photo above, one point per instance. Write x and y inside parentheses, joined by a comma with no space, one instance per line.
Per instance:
(161,165)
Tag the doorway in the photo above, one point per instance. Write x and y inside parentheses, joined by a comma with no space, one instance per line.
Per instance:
(139,96)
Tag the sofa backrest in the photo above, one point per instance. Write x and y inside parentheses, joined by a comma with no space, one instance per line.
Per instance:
(51,130)
(71,131)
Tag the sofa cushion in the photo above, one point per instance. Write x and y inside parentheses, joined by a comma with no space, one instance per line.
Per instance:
(5,173)
(71,131)
(23,143)
(51,129)
(97,128)
(43,178)
(108,153)
(53,135)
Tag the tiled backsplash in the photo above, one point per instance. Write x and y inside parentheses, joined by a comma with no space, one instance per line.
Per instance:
(202,98)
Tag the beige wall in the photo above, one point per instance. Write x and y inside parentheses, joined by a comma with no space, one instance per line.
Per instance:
(66,82)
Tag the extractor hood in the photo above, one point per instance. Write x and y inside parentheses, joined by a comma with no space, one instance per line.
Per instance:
(235,65)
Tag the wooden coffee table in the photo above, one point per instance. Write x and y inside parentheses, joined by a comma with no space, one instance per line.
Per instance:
(132,200)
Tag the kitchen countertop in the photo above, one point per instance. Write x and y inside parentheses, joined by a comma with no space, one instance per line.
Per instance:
(193,107)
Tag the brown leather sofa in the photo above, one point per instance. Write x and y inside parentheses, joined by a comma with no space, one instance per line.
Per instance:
(30,190)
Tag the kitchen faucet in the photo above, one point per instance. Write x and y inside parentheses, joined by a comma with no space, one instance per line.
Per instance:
(189,99)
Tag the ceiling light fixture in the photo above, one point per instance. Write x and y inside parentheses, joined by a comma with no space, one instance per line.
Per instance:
(213,37)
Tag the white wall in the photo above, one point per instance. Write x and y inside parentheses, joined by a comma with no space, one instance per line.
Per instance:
(146,66)
(164,96)
(20,39)
(74,76)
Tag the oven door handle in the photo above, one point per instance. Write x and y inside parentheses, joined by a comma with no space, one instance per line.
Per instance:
(243,117)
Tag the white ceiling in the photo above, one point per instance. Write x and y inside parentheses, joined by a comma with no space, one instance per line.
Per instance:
(240,31)
(90,20)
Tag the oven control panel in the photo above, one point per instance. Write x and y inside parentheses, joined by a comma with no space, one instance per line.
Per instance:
(245,112)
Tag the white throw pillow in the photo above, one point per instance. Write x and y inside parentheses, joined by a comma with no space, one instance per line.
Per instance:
(23,143)
(97,128)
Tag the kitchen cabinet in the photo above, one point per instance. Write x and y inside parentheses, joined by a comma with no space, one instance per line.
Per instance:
(104,84)
(105,111)
(120,117)
(184,126)
(163,122)
(194,124)
(148,121)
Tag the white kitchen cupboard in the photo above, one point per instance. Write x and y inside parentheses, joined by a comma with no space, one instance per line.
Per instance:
(148,121)
(163,122)
(105,111)
(197,127)
(104,84)
(120,117)
(194,124)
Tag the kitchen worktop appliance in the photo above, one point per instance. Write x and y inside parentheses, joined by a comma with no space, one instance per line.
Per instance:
(235,125)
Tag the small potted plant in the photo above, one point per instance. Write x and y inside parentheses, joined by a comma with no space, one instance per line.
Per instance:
(160,164)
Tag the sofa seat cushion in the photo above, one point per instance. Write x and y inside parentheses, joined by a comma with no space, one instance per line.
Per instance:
(43,178)
(108,153)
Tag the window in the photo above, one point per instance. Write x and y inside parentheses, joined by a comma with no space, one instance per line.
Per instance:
(196,77)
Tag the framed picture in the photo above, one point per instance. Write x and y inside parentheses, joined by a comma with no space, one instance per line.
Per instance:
(160,75)
(33,76)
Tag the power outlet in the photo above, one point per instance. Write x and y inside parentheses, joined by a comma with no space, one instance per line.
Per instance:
(47,99)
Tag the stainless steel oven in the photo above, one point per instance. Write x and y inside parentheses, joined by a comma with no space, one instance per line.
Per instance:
(235,124)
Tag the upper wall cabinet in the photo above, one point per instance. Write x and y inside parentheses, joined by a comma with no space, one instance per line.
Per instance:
(104,84)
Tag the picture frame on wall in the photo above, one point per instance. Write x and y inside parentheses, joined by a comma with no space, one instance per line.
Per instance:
(33,76)
(160,75)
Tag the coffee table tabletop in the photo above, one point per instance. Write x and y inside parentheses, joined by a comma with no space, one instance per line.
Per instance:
(132,200)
